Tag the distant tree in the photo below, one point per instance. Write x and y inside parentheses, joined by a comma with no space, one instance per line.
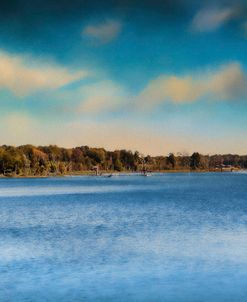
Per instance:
(195,161)
(183,161)
(118,165)
(128,160)
(53,167)
(77,155)
(61,168)
(171,160)
(31,160)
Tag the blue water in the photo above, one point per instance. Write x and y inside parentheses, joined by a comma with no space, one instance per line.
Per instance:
(170,237)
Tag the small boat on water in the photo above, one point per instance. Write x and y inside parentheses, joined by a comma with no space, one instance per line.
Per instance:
(147,174)
(110,175)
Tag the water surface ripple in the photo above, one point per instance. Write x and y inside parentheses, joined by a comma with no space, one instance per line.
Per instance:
(178,237)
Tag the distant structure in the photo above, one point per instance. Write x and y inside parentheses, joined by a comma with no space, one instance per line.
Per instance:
(225,168)
(96,169)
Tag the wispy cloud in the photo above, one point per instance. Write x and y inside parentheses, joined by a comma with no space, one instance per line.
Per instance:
(101,97)
(225,83)
(24,75)
(210,19)
(228,82)
(103,32)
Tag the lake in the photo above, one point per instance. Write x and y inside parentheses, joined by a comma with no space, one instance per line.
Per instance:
(179,237)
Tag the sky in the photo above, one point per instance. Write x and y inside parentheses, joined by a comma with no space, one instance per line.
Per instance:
(154,76)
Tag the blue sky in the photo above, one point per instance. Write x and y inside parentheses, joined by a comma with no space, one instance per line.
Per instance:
(154,76)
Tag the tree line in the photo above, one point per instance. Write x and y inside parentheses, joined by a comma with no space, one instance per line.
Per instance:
(28,160)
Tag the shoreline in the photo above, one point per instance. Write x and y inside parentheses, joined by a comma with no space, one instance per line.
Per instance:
(123,173)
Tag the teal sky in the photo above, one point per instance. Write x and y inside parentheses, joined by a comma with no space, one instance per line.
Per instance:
(154,76)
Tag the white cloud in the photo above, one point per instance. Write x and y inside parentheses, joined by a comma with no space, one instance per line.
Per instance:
(210,19)
(25,75)
(225,83)
(103,32)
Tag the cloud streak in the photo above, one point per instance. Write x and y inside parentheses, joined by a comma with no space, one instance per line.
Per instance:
(25,75)
(210,19)
(225,83)
(103,32)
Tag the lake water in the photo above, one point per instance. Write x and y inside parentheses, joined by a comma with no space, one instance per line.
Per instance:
(169,237)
